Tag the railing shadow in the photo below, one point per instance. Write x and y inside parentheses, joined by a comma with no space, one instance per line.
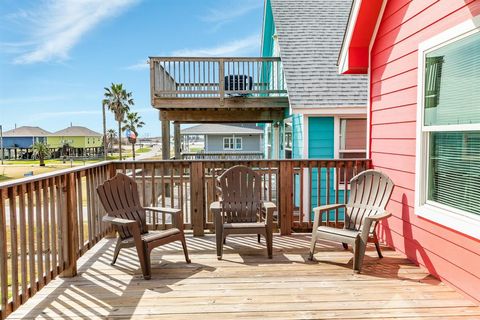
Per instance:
(100,290)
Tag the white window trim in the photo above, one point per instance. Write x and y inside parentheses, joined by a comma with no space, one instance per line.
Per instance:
(453,218)
(233,139)
(336,144)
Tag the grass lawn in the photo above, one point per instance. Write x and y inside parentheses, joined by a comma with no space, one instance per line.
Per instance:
(143,150)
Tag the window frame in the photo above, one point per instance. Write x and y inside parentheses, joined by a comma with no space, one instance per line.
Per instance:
(456,219)
(232,141)
(338,151)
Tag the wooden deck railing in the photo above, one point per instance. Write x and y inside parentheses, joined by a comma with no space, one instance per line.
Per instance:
(177,77)
(48,221)
(222,155)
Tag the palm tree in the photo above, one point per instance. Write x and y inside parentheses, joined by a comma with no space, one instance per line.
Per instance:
(40,152)
(111,136)
(133,122)
(118,100)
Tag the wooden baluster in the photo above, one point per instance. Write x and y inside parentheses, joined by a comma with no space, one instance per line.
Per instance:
(337,189)
(60,218)
(39,234)
(46,230)
(31,239)
(197,197)
(12,196)
(3,256)
(53,226)
(327,191)
(286,199)
(71,226)
(23,242)
(81,231)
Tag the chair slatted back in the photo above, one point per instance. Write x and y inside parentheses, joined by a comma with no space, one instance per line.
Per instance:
(119,197)
(241,194)
(369,195)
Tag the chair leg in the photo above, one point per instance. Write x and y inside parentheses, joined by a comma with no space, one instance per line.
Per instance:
(116,251)
(220,239)
(147,273)
(312,248)
(359,254)
(377,246)
(345,245)
(269,242)
(185,251)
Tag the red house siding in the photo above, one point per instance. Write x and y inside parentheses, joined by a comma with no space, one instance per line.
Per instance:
(447,254)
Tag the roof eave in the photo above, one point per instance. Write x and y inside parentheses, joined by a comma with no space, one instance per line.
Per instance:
(361,28)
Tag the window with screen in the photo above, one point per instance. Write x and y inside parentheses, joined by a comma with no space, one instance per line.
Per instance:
(353,143)
(451,126)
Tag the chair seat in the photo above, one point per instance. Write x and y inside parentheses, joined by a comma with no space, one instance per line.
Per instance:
(155,235)
(244,225)
(348,233)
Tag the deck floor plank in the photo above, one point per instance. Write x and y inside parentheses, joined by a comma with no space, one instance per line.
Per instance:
(247,285)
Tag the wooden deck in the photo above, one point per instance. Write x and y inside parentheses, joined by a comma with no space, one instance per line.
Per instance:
(246,285)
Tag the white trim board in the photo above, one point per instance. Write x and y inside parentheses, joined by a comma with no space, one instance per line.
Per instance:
(464,222)
(331,110)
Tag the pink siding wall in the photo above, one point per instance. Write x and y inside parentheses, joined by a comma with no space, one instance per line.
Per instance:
(447,254)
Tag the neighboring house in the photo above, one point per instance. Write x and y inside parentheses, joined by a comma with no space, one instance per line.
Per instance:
(19,141)
(76,141)
(423,61)
(326,118)
(230,141)
(327,112)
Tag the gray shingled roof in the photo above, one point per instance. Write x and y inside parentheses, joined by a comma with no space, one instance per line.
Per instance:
(77,131)
(26,131)
(213,128)
(310,34)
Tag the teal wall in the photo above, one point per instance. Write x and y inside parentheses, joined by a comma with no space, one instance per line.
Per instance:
(268,31)
(297,136)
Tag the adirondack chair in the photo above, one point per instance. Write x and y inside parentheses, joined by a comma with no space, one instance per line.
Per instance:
(241,210)
(119,197)
(370,192)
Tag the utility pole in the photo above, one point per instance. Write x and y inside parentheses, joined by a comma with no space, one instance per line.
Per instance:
(1,143)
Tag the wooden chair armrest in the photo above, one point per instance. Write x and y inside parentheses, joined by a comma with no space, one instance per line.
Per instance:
(172,211)
(118,221)
(269,208)
(372,220)
(176,214)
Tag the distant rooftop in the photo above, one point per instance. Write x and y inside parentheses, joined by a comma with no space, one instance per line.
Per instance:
(26,131)
(215,128)
(77,131)
(310,34)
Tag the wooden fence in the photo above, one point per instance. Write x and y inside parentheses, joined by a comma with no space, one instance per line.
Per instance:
(48,221)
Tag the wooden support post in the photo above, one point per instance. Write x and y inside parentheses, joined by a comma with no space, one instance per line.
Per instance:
(177,141)
(286,200)
(165,139)
(71,221)
(197,197)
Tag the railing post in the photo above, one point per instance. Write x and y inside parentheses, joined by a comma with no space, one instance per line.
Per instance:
(286,197)
(221,80)
(71,221)
(197,198)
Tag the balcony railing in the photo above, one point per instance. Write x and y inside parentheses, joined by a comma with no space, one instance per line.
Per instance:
(222,155)
(47,222)
(175,77)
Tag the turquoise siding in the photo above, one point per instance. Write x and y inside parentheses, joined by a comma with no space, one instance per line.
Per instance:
(268,31)
(321,135)
(297,136)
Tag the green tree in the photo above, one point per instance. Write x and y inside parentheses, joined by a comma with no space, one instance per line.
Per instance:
(111,136)
(133,122)
(41,152)
(118,101)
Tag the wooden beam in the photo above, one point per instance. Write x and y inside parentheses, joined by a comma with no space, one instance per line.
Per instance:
(218,116)
(197,196)
(228,102)
(165,139)
(176,140)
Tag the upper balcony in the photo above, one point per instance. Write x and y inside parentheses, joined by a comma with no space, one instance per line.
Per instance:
(178,82)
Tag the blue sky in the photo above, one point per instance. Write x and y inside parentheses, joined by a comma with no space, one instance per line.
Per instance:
(56,56)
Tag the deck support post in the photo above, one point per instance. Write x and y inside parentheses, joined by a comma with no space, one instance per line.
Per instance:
(197,196)
(177,140)
(286,200)
(165,139)
(71,227)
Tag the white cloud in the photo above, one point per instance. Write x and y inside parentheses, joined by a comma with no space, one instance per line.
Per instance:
(233,48)
(141,65)
(220,16)
(56,26)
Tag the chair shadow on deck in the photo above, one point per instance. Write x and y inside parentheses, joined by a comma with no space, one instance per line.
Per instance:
(99,289)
